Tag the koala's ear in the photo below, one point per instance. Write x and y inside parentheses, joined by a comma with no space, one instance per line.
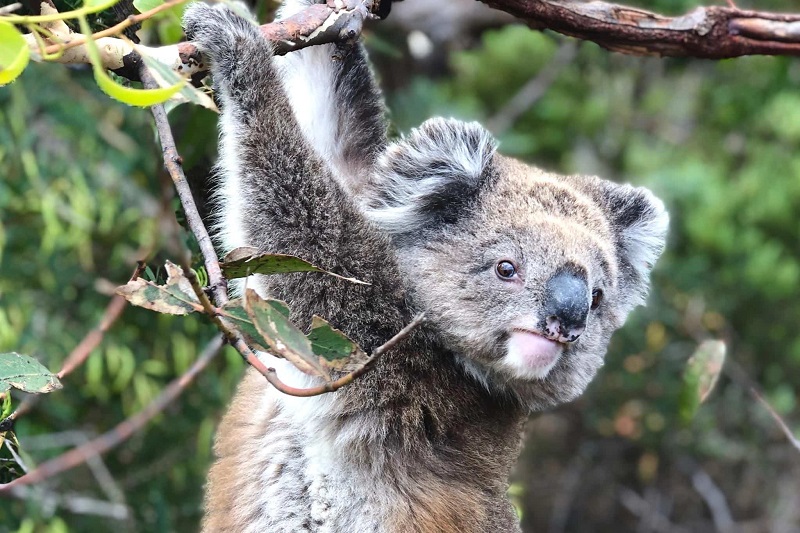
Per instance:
(430,177)
(640,222)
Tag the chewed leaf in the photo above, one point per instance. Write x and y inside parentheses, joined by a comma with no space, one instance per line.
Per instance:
(14,53)
(234,311)
(26,374)
(701,375)
(239,263)
(334,347)
(176,297)
(284,338)
(265,325)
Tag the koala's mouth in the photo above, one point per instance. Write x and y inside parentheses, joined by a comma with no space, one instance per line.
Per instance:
(531,355)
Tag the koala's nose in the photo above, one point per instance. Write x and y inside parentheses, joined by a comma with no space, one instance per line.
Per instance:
(566,306)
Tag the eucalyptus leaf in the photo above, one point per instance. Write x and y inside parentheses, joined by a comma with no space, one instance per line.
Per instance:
(126,95)
(146,5)
(336,349)
(176,297)
(284,338)
(25,373)
(701,375)
(167,77)
(240,264)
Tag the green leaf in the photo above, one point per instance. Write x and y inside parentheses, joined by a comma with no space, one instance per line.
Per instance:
(338,351)
(176,297)
(126,95)
(243,262)
(14,53)
(700,376)
(284,338)
(5,408)
(26,374)
(234,310)
(146,5)
(168,77)
(266,327)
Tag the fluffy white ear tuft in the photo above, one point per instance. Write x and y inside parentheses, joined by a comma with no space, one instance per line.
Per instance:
(641,221)
(429,176)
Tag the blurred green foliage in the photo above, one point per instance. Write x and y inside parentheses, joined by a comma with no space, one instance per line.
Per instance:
(82,198)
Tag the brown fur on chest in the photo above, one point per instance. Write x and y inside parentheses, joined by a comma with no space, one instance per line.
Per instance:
(440,478)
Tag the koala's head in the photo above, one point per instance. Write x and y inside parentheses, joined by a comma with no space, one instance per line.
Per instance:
(524,274)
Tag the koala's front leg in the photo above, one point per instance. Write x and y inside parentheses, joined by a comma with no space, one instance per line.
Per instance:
(265,165)
(336,101)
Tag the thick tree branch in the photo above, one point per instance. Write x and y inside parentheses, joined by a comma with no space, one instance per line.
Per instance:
(317,24)
(713,32)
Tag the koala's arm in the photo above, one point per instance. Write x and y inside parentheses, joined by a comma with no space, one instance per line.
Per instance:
(278,196)
(337,104)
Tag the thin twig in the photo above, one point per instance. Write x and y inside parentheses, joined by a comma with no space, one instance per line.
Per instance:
(715,500)
(5,10)
(92,339)
(173,164)
(123,430)
(80,38)
(332,386)
(74,503)
(735,372)
(646,511)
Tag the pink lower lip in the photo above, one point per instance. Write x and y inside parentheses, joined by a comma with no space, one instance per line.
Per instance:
(536,351)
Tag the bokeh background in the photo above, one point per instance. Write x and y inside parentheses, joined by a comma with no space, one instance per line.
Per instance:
(83,196)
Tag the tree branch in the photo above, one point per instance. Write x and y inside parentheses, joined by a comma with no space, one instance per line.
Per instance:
(713,32)
(173,163)
(317,24)
(114,309)
(122,431)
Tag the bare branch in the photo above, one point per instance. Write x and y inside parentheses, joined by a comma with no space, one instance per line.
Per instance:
(715,500)
(713,32)
(173,163)
(122,431)
(738,375)
(92,339)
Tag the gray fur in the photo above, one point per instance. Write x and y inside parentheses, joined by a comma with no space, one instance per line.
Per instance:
(425,442)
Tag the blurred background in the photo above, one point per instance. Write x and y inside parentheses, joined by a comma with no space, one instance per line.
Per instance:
(83,196)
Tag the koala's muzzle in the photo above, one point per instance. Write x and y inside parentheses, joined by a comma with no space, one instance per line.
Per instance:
(566,306)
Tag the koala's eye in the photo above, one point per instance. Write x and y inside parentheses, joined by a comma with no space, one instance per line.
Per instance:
(597,297)
(506,270)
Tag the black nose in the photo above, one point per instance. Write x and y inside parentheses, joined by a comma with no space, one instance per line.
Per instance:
(566,306)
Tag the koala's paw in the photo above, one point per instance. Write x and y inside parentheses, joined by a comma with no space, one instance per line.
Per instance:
(217,31)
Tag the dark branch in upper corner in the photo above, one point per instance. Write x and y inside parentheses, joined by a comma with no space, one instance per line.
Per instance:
(713,32)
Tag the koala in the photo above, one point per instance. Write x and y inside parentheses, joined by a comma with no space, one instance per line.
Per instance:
(523,275)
